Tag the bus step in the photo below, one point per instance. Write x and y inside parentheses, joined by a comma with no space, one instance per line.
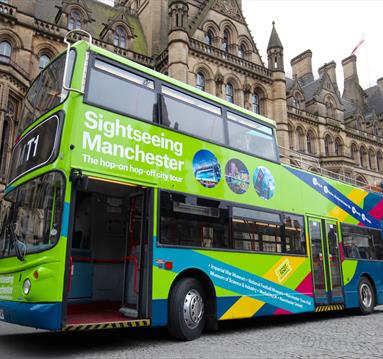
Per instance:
(129,312)
(133,323)
(328,308)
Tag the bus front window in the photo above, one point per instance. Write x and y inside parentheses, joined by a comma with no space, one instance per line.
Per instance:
(46,91)
(5,217)
(33,216)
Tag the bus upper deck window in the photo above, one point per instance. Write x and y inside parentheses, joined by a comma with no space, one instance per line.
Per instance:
(250,136)
(119,90)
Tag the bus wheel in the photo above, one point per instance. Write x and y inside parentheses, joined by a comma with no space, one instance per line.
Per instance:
(366,296)
(187,317)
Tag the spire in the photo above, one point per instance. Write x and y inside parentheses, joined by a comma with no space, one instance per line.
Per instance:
(275,51)
(274,41)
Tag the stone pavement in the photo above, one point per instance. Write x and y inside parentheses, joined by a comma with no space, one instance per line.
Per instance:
(322,335)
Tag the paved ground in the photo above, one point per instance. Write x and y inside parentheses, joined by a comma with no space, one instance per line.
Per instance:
(329,335)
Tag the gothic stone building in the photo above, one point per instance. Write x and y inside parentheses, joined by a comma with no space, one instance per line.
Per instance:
(207,44)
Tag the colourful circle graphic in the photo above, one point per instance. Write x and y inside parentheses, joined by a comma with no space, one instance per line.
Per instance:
(206,168)
(264,182)
(237,176)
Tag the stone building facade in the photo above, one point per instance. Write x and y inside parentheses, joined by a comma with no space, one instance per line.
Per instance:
(206,43)
(340,135)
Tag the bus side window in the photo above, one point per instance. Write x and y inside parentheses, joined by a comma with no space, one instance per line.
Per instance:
(250,136)
(193,222)
(120,90)
(191,115)
(361,242)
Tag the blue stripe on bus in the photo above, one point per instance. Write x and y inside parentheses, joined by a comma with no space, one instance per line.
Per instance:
(65,220)
(336,197)
(237,280)
(159,312)
(266,309)
(43,316)
(224,303)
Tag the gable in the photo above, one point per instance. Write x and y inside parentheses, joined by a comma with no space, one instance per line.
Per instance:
(327,86)
(224,11)
(229,8)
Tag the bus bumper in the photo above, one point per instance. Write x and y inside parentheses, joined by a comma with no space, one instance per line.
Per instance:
(37,315)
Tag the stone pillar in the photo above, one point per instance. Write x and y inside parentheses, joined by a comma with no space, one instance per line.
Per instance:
(178,46)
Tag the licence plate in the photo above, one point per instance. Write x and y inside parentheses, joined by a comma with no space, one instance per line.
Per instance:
(2,314)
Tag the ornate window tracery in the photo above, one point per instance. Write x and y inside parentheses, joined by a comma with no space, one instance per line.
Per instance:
(74,20)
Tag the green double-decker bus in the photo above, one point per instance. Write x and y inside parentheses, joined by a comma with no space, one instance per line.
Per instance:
(137,200)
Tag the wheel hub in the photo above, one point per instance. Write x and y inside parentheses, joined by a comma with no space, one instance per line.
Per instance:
(193,308)
(365,295)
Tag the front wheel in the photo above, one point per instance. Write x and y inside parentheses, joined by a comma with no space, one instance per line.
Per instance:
(187,317)
(366,296)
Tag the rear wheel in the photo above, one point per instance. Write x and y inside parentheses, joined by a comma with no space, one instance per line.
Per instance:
(187,317)
(366,296)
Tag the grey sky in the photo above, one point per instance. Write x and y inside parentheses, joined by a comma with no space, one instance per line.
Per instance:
(329,28)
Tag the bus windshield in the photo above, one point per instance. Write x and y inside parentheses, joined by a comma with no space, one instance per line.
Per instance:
(31,214)
(46,91)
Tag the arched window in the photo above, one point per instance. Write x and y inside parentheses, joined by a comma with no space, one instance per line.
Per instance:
(242,51)
(376,129)
(330,109)
(43,61)
(200,81)
(209,36)
(371,159)
(359,122)
(310,142)
(225,40)
(379,158)
(5,51)
(120,37)
(301,139)
(291,136)
(338,147)
(256,103)
(363,157)
(296,102)
(354,151)
(328,142)
(229,92)
(361,181)
(74,20)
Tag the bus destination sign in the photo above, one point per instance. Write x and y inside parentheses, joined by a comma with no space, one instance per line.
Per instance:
(36,149)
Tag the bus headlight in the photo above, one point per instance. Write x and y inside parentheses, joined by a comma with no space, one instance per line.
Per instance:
(26,286)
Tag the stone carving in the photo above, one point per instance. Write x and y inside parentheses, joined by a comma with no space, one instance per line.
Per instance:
(229,8)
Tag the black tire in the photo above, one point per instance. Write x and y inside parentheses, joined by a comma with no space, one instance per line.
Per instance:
(366,295)
(187,315)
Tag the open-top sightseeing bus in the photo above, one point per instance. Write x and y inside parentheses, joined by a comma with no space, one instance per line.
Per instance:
(137,200)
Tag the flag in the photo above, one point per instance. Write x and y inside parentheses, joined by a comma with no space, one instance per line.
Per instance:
(357,46)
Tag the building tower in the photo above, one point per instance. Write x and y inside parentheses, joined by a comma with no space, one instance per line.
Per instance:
(178,46)
(275,64)
(275,51)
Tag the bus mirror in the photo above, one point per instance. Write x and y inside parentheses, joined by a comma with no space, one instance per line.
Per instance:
(21,250)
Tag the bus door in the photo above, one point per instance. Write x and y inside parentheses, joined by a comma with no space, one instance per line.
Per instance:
(135,245)
(325,260)
(109,257)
